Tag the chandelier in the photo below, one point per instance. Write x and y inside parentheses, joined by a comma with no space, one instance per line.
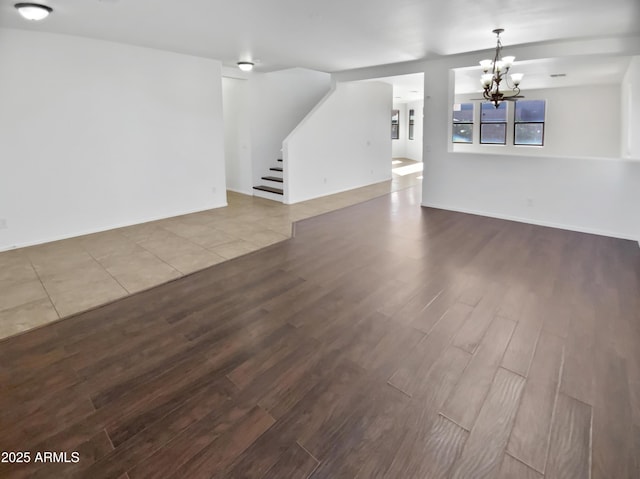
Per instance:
(497,83)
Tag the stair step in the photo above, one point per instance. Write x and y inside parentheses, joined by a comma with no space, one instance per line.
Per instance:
(273,178)
(277,191)
(276,168)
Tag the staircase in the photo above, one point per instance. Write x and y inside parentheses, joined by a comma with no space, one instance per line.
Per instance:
(272,184)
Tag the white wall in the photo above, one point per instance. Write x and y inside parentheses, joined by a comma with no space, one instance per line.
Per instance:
(278,102)
(575,125)
(343,143)
(399,146)
(237,135)
(630,111)
(95,135)
(630,121)
(404,147)
(586,194)
(579,193)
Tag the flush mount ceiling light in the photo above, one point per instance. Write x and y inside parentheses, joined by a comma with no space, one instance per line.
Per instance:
(33,11)
(495,72)
(245,66)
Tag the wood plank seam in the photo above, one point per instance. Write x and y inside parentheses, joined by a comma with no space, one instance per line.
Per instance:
(518,459)
(555,405)
(555,400)
(429,304)
(311,455)
(440,413)
(499,362)
(591,444)
(389,383)
(512,371)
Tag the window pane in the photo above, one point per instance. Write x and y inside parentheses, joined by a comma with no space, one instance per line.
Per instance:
(529,134)
(395,124)
(462,133)
(493,133)
(530,110)
(463,113)
(492,114)
(411,124)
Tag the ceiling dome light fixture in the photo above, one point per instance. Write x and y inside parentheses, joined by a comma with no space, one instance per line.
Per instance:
(495,72)
(33,11)
(245,66)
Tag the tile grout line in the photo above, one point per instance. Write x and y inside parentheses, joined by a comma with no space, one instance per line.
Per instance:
(151,253)
(137,243)
(109,273)
(45,289)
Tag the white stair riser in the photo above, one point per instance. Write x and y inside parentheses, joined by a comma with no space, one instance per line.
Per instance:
(271,183)
(268,195)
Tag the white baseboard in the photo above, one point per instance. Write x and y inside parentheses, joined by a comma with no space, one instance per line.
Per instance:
(549,224)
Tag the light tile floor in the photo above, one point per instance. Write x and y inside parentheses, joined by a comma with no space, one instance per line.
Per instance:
(43,283)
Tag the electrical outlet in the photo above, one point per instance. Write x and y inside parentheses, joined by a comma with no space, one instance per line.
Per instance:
(214,189)
(530,202)
(325,181)
(3,224)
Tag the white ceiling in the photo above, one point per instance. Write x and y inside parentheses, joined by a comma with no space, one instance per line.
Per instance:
(330,35)
(591,70)
(406,88)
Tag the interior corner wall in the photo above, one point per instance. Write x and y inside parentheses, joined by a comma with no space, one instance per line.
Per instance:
(96,135)
(399,146)
(584,194)
(237,135)
(344,143)
(630,111)
(278,102)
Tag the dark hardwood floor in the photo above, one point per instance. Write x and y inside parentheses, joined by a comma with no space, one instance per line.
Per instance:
(385,340)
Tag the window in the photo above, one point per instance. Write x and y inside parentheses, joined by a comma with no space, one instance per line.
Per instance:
(462,123)
(529,123)
(395,124)
(493,124)
(411,112)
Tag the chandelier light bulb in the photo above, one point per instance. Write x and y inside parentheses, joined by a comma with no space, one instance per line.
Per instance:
(516,78)
(508,61)
(486,65)
(33,11)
